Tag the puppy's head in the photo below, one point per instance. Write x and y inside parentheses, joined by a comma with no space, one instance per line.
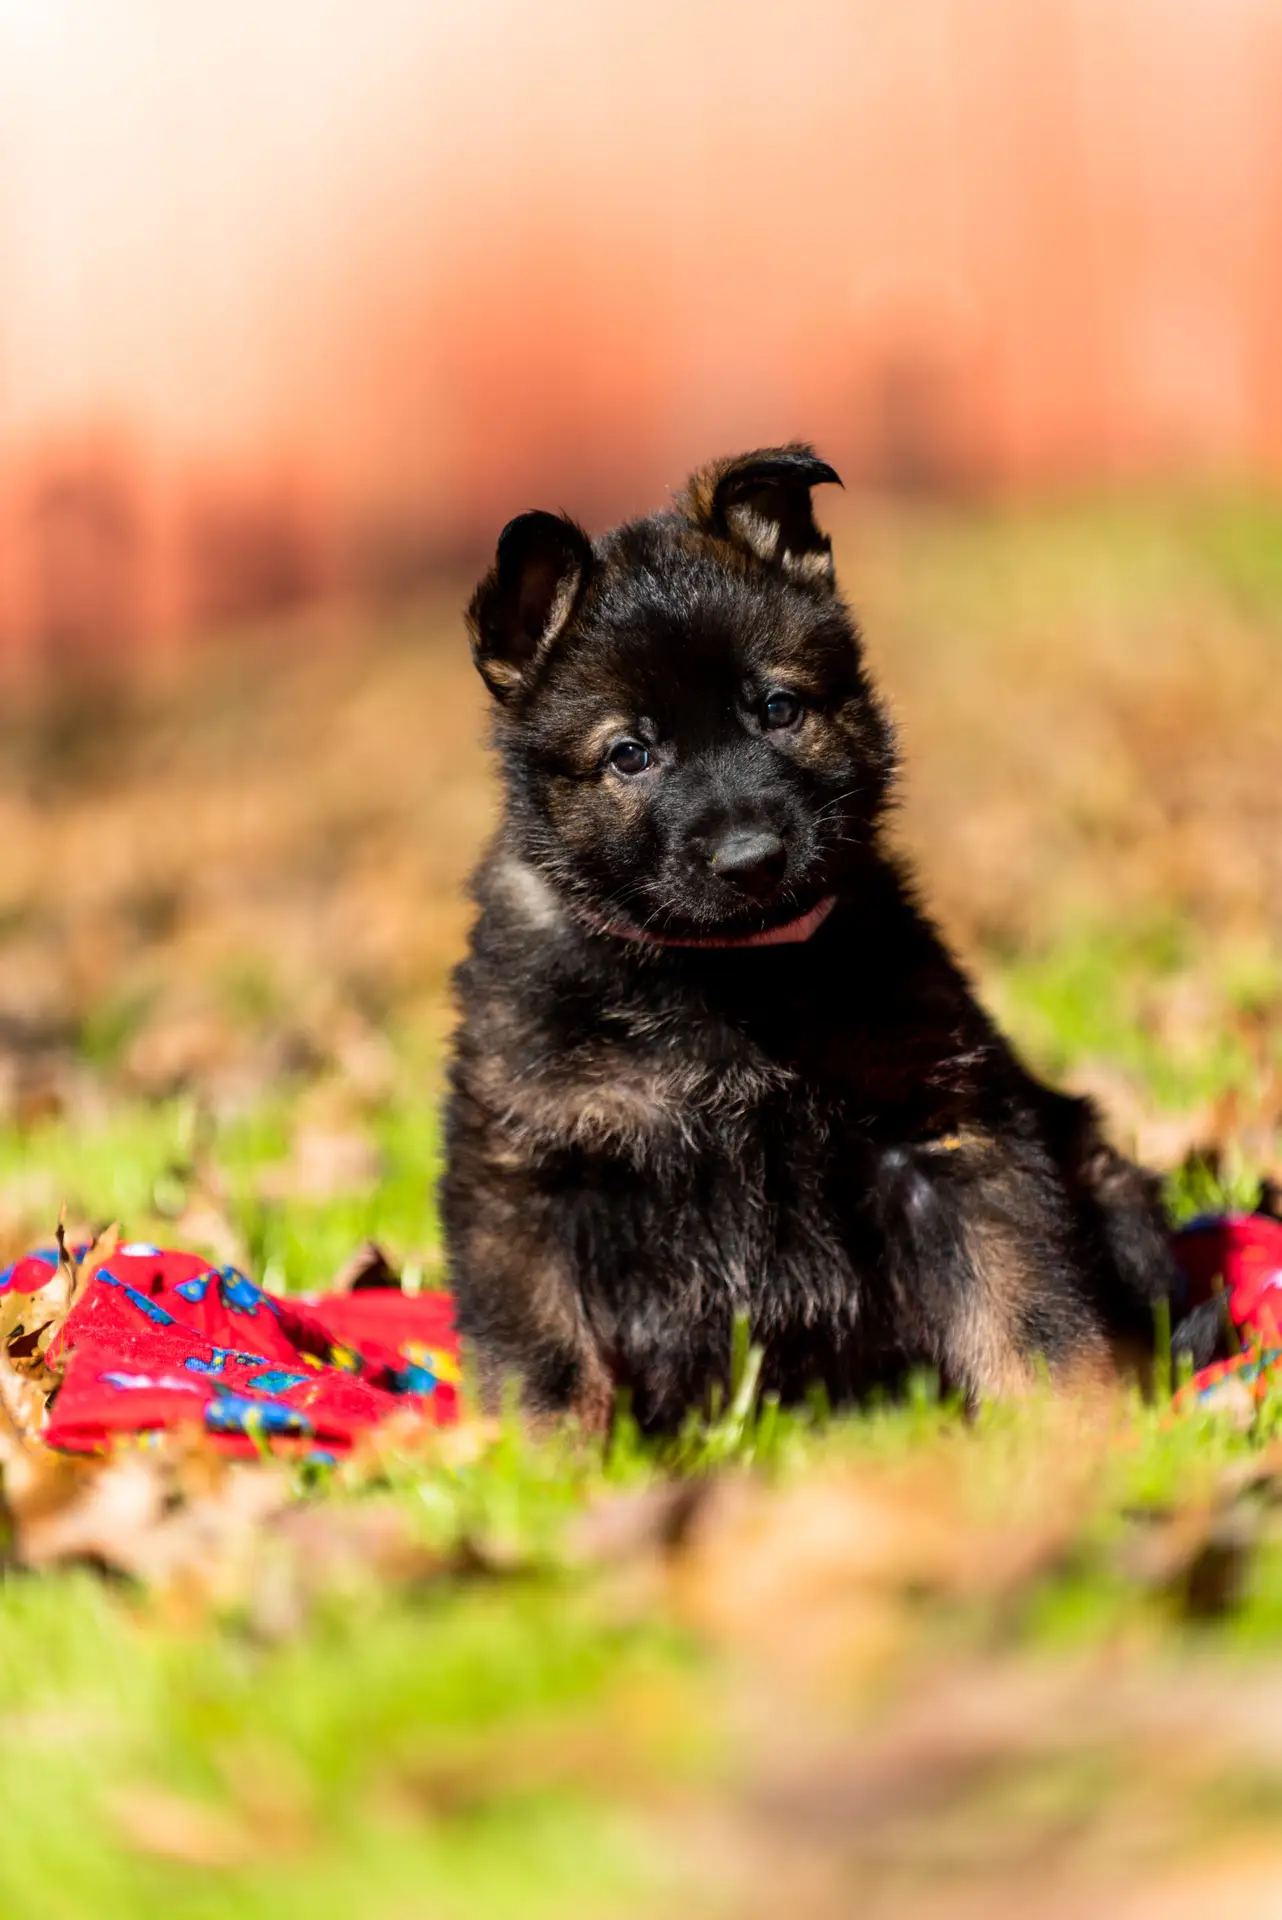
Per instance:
(690,743)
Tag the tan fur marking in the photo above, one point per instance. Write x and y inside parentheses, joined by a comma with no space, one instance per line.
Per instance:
(618,1102)
(753,530)
(984,1341)
(756,532)
(497,672)
(593,1404)
(557,1311)
(501,675)
(562,606)
(701,492)
(576,811)
(527,893)
(795,674)
(599,738)
(816,564)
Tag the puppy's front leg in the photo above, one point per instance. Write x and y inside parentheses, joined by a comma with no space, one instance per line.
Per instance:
(520,1312)
(979,1257)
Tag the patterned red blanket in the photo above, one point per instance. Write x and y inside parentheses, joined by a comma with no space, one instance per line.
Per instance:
(161,1339)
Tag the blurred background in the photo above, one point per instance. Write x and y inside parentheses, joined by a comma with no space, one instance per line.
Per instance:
(299,302)
(309,297)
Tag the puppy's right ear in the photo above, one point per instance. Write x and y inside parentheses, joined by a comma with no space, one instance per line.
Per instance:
(526,599)
(761,502)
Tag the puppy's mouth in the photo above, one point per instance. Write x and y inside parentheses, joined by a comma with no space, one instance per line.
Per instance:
(792,916)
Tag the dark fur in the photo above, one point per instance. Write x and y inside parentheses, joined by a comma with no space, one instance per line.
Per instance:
(830,1137)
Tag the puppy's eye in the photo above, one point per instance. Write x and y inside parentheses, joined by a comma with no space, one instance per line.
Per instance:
(629,757)
(780,710)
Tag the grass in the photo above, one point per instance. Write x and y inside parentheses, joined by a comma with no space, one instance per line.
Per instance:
(553,1739)
(933,1661)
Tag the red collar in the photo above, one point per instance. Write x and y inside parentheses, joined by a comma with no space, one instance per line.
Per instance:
(792,933)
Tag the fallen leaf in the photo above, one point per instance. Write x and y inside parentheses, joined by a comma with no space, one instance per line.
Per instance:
(154,1820)
(368,1269)
(205,1227)
(29,1322)
(325,1163)
(623,1526)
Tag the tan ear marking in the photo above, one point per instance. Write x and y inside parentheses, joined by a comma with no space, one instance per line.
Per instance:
(813,565)
(527,599)
(755,531)
(761,502)
(561,608)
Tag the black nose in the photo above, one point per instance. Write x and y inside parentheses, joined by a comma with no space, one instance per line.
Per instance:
(753,862)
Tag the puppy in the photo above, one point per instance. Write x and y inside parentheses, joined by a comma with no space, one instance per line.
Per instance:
(713,1059)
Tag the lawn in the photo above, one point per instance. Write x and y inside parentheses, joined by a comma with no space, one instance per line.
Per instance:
(897,1661)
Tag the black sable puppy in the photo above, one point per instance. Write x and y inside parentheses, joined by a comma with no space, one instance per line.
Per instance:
(713,1059)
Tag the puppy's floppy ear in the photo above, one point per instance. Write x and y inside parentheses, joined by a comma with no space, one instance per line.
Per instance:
(761,501)
(540,570)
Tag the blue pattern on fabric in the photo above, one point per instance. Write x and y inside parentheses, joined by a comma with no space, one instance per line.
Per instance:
(194,1290)
(156,1314)
(413,1378)
(241,1295)
(215,1364)
(241,1413)
(219,1356)
(277,1380)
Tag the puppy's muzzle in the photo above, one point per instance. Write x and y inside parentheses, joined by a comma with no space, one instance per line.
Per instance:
(752,862)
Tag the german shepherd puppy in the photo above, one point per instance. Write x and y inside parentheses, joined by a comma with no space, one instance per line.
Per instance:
(713,1059)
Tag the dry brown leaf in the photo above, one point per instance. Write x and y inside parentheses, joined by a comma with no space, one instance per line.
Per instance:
(1099,1758)
(109,1518)
(325,1162)
(1198,1555)
(817,1571)
(465,1775)
(273,1792)
(342,1543)
(201,1532)
(22,1405)
(81,1270)
(621,1527)
(166,1515)
(29,1322)
(1258,1472)
(368,1269)
(812,1574)
(205,1227)
(154,1820)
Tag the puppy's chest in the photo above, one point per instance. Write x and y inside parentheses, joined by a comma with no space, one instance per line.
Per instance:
(642,1080)
(651,1093)
(639,1096)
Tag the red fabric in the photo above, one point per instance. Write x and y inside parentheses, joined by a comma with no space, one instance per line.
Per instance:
(1241,1255)
(161,1339)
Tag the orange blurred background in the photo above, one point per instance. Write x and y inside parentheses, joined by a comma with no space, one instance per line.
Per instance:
(305,297)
